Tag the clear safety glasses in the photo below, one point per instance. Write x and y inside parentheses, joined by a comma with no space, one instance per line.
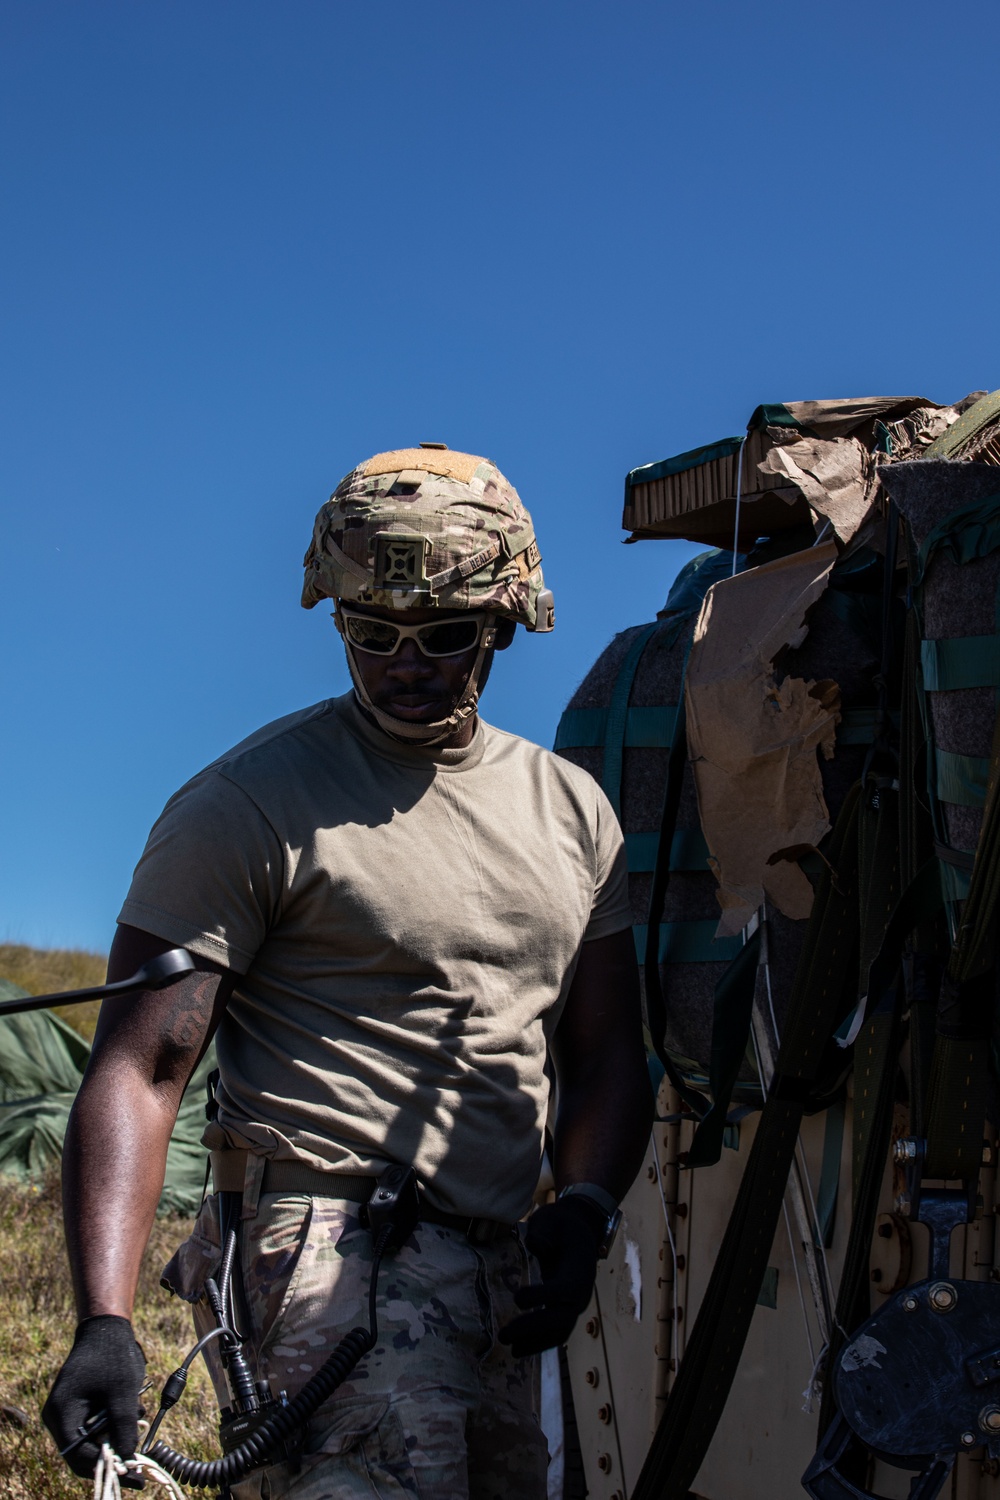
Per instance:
(439,638)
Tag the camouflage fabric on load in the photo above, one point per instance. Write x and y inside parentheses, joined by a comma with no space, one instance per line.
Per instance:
(426,526)
(439,1409)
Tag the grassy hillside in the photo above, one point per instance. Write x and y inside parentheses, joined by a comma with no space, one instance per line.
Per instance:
(41,971)
(36,1331)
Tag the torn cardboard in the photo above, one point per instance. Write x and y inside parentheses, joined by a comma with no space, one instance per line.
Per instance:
(753,740)
(834,474)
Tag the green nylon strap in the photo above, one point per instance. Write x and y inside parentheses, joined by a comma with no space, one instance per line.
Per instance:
(976,947)
(875,1055)
(919,903)
(964,661)
(871,1058)
(885,918)
(961,778)
(731,1013)
(692,1073)
(959,1067)
(954,881)
(614,729)
(916,811)
(958,1094)
(828,1190)
(826,972)
(653,728)
(878,873)
(923,988)
(649,940)
(971,531)
(857,726)
(645,728)
(688,851)
(682,462)
(689,943)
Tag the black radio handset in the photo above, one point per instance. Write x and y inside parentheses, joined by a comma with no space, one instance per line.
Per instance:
(264,1429)
(393,1209)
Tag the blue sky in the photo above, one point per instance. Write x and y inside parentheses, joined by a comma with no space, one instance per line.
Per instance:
(247,244)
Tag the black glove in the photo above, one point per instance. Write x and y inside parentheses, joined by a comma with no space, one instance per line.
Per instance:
(564,1237)
(103,1372)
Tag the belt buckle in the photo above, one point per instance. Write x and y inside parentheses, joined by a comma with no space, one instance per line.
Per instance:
(480,1231)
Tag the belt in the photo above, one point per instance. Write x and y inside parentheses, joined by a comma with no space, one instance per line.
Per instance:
(229,1173)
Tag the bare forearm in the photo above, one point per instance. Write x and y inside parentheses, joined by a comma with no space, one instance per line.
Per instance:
(602,1129)
(116,1145)
(113,1167)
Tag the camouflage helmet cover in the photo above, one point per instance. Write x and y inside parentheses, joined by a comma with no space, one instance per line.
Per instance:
(427,526)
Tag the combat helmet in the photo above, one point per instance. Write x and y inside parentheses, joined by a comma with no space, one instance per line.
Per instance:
(421,528)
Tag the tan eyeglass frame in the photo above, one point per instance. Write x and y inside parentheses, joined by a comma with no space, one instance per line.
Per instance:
(484,638)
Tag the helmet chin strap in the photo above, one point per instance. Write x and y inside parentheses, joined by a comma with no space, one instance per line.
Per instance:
(405,730)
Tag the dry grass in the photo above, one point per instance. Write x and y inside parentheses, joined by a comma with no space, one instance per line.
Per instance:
(36,1330)
(42,971)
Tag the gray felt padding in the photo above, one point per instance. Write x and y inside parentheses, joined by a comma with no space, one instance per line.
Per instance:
(958,600)
(843,651)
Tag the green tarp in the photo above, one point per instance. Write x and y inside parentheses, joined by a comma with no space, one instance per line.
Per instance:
(42,1061)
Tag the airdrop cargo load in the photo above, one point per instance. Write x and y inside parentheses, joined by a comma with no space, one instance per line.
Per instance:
(804,750)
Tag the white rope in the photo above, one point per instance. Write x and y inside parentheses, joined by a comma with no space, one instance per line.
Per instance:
(798,1284)
(815,1387)
(788,1227)
(739,496)
(111,1469)
(770,1000)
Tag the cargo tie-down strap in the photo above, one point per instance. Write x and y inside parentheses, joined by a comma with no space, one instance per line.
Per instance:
(949,1023)
(621,726)
(824,980)
(876,1050)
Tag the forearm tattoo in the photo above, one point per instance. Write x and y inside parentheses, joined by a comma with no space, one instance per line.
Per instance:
(186,1021)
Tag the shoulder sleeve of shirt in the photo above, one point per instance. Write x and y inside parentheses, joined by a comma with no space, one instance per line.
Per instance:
(211,875)
(612,910)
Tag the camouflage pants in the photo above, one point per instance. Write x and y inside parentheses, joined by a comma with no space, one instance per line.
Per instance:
(439,1410)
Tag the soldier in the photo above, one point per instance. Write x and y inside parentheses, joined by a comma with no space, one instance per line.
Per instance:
(397,914)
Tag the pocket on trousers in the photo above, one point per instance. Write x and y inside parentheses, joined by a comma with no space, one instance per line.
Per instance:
(388,1458)
(271,1257)
(197,1257)
(368,1439)
(343,1424)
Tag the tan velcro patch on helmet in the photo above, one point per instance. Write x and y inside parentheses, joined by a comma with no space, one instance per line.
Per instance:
(461,466)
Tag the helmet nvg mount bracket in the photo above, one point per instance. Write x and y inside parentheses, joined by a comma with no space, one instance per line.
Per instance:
(423,528)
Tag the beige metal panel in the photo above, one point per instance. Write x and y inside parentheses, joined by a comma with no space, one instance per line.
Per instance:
(620,1348)
(765,1439)
(619,1365)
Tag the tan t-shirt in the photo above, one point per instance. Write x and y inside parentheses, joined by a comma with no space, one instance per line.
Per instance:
(407,922)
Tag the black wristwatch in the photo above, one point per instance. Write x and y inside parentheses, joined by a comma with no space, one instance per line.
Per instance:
(608,1207)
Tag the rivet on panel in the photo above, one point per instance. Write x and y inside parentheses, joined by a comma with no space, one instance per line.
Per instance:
(942,1296)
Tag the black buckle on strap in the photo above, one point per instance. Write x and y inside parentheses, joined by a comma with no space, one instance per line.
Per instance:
(484,1231)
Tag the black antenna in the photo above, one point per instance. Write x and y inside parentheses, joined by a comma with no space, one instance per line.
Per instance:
(153,975)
